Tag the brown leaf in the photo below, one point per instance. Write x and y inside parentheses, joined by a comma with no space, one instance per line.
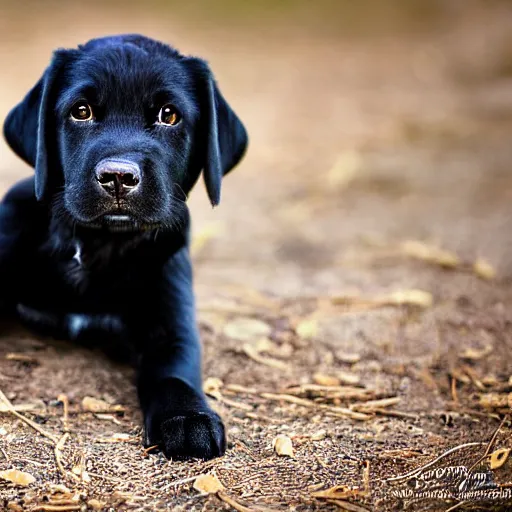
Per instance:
(318,436)
(484,269)
(92,404)
(247,329)
(208,483)
(17,477)
(282,445)
(499,457)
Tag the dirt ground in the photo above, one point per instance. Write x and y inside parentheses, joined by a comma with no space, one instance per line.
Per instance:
(338,295)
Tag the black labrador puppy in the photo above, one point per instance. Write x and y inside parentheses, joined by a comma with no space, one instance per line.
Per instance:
(96,244)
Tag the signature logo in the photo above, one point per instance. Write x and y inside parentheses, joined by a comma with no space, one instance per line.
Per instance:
(468,474)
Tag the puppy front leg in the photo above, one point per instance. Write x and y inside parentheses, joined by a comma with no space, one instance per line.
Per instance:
(176,414)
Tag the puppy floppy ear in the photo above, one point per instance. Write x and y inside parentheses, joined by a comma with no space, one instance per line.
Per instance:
(30,124)
(225,137)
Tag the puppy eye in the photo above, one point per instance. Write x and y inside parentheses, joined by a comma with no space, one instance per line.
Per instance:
(82,111)
(168,115)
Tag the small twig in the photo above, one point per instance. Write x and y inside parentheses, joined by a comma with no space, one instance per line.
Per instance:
(456,506)
(348,505)
(233,503)
(56,508)
(178,482)
(261,417)
(58,458)
(395,414)
(453,388)
(4,453)
(253,354)
(28,421)
(489,445)
(308,403)
(65,402)
(146,451)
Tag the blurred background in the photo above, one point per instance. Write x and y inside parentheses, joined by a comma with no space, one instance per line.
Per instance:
(378,118)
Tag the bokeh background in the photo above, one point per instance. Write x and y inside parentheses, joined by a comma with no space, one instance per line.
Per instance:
(374,125)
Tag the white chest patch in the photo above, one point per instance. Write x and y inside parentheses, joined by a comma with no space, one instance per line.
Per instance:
(78,254)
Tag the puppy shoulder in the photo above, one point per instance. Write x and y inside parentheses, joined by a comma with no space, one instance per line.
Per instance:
(22,192)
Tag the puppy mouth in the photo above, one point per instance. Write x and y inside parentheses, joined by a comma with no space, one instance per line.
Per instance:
(119,222)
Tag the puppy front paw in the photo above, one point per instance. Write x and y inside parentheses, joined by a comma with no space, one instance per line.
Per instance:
(197,435)
(184,429)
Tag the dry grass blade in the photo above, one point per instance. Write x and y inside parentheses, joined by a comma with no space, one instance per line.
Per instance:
(412,297)
(308,403)
(28,421)
(65,402)
(56,508)
(375,404)
(331,392)
(430,253)
(58,458)
(237,506)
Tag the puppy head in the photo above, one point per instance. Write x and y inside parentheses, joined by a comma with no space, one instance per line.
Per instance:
(119,130)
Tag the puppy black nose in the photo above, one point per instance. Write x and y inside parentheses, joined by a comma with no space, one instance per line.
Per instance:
(118,177)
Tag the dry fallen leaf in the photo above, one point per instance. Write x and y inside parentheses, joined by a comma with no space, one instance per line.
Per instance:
(247,329)
(325,380)
(282,445)
(484,269)
(92,404)
(17,477)
(208,483)
(307,329)
(318,436)
(211,386)
(499,457)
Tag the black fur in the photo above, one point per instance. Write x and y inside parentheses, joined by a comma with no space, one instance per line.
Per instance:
(78,262)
